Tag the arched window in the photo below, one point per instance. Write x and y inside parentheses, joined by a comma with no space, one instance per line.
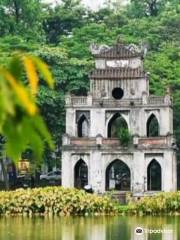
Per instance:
(118,176)
(154,176)
(152,126)
(80,174)
(115,125)
(83,127)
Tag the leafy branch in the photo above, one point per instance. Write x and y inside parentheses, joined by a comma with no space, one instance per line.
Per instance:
(20,120)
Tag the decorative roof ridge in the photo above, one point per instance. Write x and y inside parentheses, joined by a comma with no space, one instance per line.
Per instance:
(119,50)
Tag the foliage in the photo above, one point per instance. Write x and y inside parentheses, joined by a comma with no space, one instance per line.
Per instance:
(71,74)
(20,122)
(54,201)
(124,209)
(124,136)
(79,42)
(162,203)
(62,19)
(16,43)
(20,17)
(147,7)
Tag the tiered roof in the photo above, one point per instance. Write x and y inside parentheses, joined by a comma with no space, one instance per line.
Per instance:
(117,73)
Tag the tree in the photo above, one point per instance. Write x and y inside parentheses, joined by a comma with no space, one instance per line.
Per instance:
(20,122)
(62,19)
(78,44)
(22,17)
(146,7)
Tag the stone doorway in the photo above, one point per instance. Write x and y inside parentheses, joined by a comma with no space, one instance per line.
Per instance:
(80,174)
(118,176)
(154,176)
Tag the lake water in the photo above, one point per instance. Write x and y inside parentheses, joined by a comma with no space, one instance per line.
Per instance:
(90,228)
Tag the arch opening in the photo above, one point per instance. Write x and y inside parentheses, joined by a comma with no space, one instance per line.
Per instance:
(152,126)
(115,125)
(154,176)
(83,127)
(118,176)
(80,174)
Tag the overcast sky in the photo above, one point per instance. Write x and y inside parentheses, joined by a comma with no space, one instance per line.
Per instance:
(93,4)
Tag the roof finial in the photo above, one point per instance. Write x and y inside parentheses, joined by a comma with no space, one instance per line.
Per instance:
(98,49)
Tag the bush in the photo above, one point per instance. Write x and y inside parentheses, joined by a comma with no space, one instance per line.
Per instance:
(162,203)
(54,201)
(124,136)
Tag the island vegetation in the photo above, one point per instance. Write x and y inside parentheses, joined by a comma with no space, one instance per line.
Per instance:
(54,201)
(59,201)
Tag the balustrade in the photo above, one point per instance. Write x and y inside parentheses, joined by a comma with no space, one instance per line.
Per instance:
(89,101)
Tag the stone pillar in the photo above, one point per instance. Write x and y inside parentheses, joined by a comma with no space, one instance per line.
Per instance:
(99,140)
(144,98)
(66,139)
(135,140)
(66,169)
(98,122)
(96,174)
(138,173)
(70,122)
(166,121)
(167,97)
(89,100)
(169,171)
(68,99)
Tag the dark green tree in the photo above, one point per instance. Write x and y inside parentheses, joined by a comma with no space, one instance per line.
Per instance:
(146,7)
(21,17)
(62,19)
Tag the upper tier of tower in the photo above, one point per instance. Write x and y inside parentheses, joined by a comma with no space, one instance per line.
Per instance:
(118,68)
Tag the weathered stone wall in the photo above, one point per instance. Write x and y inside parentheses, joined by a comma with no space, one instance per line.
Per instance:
(137,161)
(133,88)
(136,119)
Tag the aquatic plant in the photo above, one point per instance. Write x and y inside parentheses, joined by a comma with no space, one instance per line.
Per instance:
(53,201)
(161,203)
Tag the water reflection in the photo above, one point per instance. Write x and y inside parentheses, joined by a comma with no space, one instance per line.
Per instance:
(89,228)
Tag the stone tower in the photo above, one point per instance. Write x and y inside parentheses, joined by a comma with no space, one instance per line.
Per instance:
(119,137)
